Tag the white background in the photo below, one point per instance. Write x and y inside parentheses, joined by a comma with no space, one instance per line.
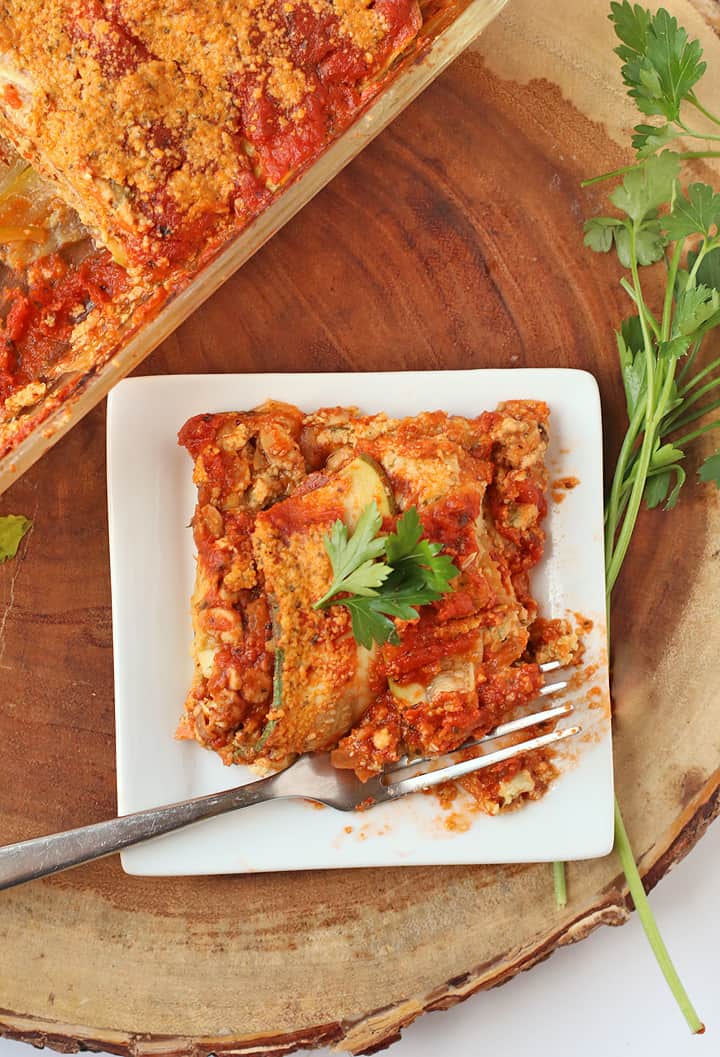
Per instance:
(603,997)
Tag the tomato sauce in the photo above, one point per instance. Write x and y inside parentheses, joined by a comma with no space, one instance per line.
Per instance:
(39,320)
(296,516)
(110,42)
(517,506)
(336,78)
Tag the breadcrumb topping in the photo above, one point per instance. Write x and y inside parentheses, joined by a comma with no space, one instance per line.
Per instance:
(153,115)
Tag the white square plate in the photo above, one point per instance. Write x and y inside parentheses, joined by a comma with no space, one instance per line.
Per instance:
(151,500)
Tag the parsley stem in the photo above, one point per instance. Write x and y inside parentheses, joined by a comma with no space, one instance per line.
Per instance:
(613,515)
(670,425)
(653,378)
(690,358)
(695,134)
(330,593)
(685,420)
(656,424)
(697,432)
(694,101)
(689,155)
(631,513)
(627,287)
(699,376)
(664,397)
(643,314)
(624,496)
(692,278)
(677,417)
(560,882)
(639,897)
(621,544)
(609,175)
(670,290)
(685,155)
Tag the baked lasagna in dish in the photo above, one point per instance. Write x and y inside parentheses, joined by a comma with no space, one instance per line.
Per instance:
(277,673)
(136,138)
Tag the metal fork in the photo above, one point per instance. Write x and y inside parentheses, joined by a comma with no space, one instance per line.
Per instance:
(311,777)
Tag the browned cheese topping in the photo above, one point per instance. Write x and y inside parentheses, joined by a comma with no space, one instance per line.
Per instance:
(134,104)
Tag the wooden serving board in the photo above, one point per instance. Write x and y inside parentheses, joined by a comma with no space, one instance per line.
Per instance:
(455,240)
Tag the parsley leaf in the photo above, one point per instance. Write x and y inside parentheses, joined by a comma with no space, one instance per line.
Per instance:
(403,542)
(369,624)
(649,139)
(666,455)
(371,617)
(658,485)
(661,65)
(353,557)
(664,465)
(649,239)
(696,214)
(648,187)
(414,573)
(656,488)
(680,478)
(632,361)
(12,529)
(631,25)
(695,306)
(710,469)
(600,232)
(415,560)
(649,244)
(673,349)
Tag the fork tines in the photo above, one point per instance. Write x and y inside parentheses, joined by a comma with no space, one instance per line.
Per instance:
(430,771)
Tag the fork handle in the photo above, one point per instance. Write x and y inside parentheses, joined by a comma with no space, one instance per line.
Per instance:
(41,856)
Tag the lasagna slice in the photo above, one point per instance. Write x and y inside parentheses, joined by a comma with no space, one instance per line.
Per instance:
(275,677)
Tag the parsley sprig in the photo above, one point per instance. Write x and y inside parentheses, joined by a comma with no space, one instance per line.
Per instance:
(381,577)
(667,391)
(658,350)
(661,68)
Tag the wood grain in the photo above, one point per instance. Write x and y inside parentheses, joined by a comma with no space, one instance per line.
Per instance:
(455,240)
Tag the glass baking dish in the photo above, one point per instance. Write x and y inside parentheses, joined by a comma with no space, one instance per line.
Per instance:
(447,30)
